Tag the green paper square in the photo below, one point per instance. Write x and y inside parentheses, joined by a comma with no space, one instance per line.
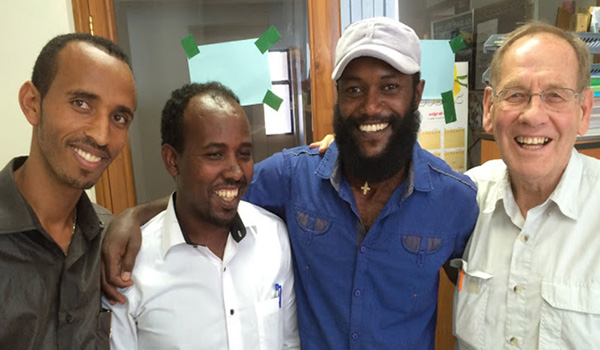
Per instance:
(272,100)
(189,46)
(457,44)
(448,103)
(267,40)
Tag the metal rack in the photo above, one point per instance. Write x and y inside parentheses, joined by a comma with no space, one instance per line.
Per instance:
(495,41)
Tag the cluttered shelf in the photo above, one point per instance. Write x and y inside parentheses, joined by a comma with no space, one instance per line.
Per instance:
(592,40)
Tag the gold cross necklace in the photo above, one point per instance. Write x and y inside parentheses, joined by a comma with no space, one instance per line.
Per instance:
(365,188)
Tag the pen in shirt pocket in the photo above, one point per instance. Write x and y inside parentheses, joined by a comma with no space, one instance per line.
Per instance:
(278,293)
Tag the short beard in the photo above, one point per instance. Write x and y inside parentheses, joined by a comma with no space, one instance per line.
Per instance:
(51,156)
(393,159)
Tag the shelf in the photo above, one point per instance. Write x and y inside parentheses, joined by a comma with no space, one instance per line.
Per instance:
(493,43)
(591,39)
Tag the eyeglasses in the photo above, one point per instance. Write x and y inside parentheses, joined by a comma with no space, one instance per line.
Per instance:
(555,99)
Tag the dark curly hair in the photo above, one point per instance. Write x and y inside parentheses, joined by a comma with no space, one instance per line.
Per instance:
(46,64)
(171,126)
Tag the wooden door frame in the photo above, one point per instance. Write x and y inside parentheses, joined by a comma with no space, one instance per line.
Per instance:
(116,188)
(324,32)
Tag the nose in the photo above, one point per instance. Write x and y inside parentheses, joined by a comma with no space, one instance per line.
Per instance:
(233,172)
(99,129)
(535,112)
(373,103)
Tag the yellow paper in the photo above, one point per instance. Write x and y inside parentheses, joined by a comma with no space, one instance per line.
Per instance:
(455,159)
(430,139)
(454,138)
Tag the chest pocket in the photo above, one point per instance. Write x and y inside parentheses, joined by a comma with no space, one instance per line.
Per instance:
(268,315)
(570,316)
(313,225)
(470,307)
(421,246)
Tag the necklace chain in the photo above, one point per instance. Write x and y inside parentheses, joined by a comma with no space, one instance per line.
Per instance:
(73,232)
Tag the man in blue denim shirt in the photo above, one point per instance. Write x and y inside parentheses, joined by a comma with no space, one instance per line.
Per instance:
(373,219)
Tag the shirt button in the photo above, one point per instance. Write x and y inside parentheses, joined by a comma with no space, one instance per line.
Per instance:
(517,289)
(357,293)
(69,318)
(231,312)
(514,341)
(363,249)
(524,238)
(355,336)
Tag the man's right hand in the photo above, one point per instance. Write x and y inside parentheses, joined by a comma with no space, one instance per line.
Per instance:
(121,244)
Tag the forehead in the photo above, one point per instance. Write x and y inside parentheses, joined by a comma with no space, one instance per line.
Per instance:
(543,58)
(215,120)
(83,67)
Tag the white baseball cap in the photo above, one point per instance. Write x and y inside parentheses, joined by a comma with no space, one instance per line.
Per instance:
(380,37)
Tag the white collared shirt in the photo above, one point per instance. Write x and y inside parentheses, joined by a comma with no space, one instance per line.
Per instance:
(185,297)
(532,283)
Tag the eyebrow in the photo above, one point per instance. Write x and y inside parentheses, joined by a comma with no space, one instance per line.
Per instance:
(85,94)
(517,85)
(223,145)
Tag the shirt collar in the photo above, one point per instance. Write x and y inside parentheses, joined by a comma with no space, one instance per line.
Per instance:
(564,195)
(16,215)
(500,190)
(173,235)
(418,177)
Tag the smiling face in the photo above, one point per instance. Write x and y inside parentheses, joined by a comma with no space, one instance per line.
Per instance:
(83,121)
(375,121)
(215,167)
(370,91)
(536,142)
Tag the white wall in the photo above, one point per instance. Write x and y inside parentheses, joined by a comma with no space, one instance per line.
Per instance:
(26,26)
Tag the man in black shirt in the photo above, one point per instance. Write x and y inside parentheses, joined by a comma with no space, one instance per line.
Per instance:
(80,103)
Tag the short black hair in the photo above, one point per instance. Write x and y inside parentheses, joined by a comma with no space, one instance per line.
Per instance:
(46,64)
(171,126)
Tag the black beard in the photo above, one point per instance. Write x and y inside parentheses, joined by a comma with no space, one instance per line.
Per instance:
(395,157)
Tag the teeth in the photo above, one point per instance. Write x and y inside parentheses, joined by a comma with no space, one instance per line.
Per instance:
(227,195)
(532,140)
(373,127)
(88,156)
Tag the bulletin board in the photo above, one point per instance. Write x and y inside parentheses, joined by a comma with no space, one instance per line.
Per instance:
(448,140)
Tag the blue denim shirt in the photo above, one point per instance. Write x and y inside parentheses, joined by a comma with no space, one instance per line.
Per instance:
(381,294)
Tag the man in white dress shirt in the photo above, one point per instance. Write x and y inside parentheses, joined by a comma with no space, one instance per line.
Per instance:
(213,272)
(530,276)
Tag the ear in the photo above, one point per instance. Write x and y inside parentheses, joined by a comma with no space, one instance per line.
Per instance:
(419,92)
(169,157)
(587,103)
(31,102)
(488,122)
